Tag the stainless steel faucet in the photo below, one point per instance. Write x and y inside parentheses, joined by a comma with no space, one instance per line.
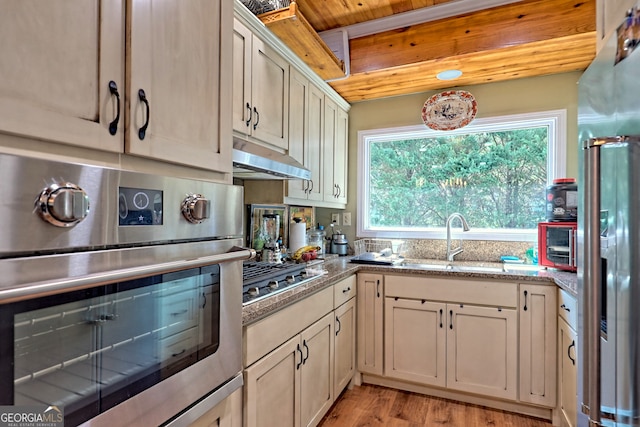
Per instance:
(465,227)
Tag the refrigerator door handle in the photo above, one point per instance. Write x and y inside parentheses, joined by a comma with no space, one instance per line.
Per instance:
(591,309)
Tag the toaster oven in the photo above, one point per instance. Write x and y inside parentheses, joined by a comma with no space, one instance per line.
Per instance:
(557,245)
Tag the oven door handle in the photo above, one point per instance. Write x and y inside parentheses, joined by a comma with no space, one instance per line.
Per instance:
(50,287)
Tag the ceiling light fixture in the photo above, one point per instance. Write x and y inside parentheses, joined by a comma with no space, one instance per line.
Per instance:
(449,74)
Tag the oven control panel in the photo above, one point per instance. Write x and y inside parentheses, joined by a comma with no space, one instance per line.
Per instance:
(139,206)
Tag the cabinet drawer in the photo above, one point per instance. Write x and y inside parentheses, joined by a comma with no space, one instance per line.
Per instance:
(466,291)
(568,308)
(267,334)
(178,345)
(344,290)
(178,312)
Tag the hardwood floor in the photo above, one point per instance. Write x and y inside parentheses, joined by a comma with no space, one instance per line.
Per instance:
(370,405)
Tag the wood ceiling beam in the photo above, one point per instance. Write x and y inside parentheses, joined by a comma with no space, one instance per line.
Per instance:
(559,55)
(479,32)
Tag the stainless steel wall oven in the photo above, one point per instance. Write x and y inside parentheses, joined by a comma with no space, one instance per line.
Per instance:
(120,292)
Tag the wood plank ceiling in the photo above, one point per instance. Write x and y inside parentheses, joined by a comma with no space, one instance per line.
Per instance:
(522,39)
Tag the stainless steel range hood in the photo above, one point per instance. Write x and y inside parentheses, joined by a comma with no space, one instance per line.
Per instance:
(252,161)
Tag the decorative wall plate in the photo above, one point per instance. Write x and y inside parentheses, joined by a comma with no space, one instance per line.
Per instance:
(449,110)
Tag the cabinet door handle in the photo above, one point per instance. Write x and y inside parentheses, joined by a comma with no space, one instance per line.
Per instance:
(525,300)
(339,326)
(304,343)
(299,350)
(565,307)
(450,319)
(311,189)
(113,126)
(249,116)
(255,125)
(378,288)
(142,132)
(573,344)
(440,318)
(204,300)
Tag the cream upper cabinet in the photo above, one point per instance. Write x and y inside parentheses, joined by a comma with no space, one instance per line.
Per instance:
(370,306)
(538,320)
(415,341)
(58,62)
(67,84)
(260,89)
(178,92)
(482,354)
(306,104)
(610,15)
(335,154)
(567,358)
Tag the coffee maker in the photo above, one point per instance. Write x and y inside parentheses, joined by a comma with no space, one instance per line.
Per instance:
(339,243)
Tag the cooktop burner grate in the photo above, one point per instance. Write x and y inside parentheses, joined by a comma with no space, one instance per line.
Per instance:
(262,279)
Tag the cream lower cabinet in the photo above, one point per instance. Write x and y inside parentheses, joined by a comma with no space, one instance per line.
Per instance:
(567,358)
(416,341)
(370,306)
(345,334)
(456,334)
(457,346)
(537,337)
(299,359)
(293,385)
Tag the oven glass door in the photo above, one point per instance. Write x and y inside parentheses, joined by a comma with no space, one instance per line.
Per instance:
(89,350)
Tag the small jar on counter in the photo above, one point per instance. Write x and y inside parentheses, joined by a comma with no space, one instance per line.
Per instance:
(316,237)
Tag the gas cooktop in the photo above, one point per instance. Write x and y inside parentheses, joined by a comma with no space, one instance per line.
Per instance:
(264,279)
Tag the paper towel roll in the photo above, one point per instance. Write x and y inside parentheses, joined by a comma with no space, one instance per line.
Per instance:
(297,235)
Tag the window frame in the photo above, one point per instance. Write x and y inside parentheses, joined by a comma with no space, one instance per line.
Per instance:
(555,120)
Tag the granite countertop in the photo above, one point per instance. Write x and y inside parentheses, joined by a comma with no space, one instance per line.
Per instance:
(339,268)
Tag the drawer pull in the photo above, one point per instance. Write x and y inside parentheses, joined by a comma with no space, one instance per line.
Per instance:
(179,313)
(344,291)
(566,308)
(179,353)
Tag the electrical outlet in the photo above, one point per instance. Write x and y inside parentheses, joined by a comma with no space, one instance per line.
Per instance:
(346,219)
(335,219)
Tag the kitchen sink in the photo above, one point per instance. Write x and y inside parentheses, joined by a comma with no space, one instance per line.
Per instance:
(499,268)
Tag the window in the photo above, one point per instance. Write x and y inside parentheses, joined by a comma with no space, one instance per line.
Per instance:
(493,171)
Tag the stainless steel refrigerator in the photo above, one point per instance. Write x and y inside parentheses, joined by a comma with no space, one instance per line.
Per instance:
(609,233)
